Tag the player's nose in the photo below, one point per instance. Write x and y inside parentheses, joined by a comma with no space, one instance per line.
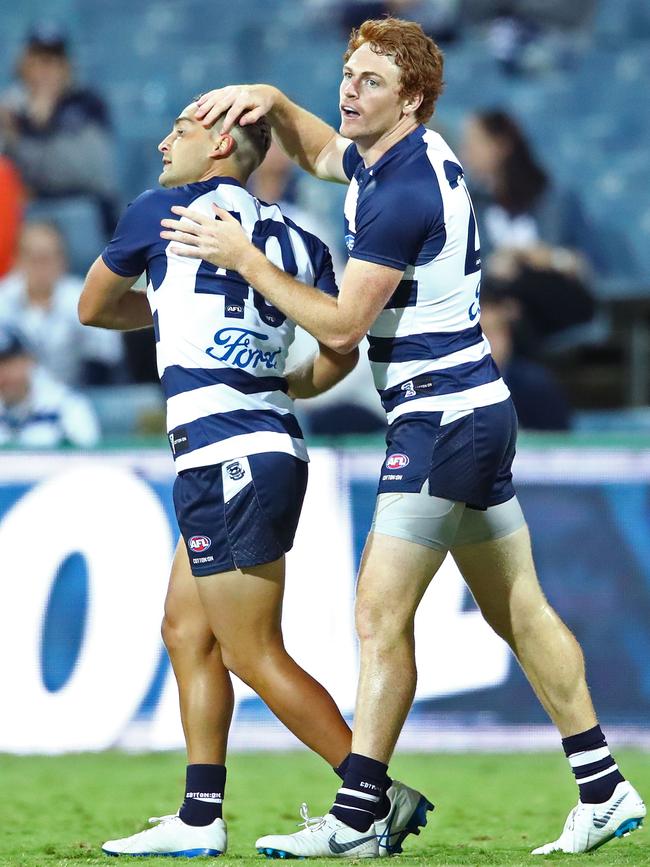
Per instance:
(349,88)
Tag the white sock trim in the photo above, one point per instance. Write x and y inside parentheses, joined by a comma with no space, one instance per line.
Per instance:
(358,809)
(577,760)
(597,776)
(353,793)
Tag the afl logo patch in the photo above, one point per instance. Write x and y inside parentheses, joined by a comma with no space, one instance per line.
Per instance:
(396,462)
(198,544)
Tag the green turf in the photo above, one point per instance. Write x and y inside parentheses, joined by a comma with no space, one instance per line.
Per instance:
(491,809)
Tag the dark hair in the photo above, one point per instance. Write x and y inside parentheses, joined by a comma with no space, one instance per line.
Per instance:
(520,179)
(256,138)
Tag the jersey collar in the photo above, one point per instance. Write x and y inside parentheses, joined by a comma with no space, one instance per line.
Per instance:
(400,150)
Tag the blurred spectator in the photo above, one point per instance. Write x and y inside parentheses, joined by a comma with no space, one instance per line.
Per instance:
(536,243)
(541,13)
(59,136)
(438,18)
(12,196)
(36,411)
(39,299)
(539,400)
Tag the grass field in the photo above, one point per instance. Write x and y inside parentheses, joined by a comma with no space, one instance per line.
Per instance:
(491,809)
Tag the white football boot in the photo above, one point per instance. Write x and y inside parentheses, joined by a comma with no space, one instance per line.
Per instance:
(407,814)
(172,836)
(322,837)
(589,826)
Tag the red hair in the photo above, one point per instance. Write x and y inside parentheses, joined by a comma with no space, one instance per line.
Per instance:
(416,54)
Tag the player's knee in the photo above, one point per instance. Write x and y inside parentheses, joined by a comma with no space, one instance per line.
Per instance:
(376,621)
(249,659)
(240,662)
(180,634)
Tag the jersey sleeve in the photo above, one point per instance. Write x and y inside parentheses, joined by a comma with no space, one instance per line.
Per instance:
(324,278)
(321,259)
(394,223)
(351,160)
(138,228)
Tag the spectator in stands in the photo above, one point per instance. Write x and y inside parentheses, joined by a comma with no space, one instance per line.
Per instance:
(59,136)
(535,240)
(12,198)
(440,20)
(539,399)
(40,300)
(36,411)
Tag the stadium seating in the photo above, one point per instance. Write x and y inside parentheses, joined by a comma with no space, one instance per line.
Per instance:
(584,111)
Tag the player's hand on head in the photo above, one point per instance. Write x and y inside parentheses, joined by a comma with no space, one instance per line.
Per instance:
(219,240)
(241,103)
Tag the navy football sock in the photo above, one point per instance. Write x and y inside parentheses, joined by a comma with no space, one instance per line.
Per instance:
(364,787)
(204,791)
(342,768)
(383,807)
(596,772)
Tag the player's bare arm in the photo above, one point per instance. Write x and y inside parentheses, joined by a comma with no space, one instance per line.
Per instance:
(305,138)
(339,323)
(321,372)
(110,301)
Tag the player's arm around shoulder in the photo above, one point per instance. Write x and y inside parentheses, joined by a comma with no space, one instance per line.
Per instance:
(305,138)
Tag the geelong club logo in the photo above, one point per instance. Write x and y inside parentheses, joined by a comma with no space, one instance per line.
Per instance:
(198,544)
(396,462)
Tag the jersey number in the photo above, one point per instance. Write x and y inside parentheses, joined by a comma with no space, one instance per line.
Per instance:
(454,174)
(235,288)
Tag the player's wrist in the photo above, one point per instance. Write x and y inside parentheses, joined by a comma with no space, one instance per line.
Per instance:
(251,260)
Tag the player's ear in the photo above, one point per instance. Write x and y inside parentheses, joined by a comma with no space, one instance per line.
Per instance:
(412,103)
(224,145)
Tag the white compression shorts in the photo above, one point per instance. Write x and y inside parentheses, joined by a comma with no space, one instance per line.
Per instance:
(443,524)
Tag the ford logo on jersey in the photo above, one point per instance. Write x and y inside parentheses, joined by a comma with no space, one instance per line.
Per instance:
(233,345)
(198,544)
(396,462)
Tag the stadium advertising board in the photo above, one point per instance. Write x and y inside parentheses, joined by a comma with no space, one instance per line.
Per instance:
(86,542)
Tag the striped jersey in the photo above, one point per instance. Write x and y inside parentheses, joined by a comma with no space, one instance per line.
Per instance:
(411,211)
(221,347)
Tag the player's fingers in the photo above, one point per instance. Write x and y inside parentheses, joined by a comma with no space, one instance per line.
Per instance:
(182,237)
(221,96)
(207,100)
(224,215)
(245,101)
(182,225)
(251,116)
(213,111)
(194,216)
(186,250)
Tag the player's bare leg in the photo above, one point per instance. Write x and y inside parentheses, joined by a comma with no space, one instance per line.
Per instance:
(206,704)
(393,577)
(244,608)
(502,578)
(204,686)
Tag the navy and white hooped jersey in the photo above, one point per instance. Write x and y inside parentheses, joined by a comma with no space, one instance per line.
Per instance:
(411,211)
(221,348)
